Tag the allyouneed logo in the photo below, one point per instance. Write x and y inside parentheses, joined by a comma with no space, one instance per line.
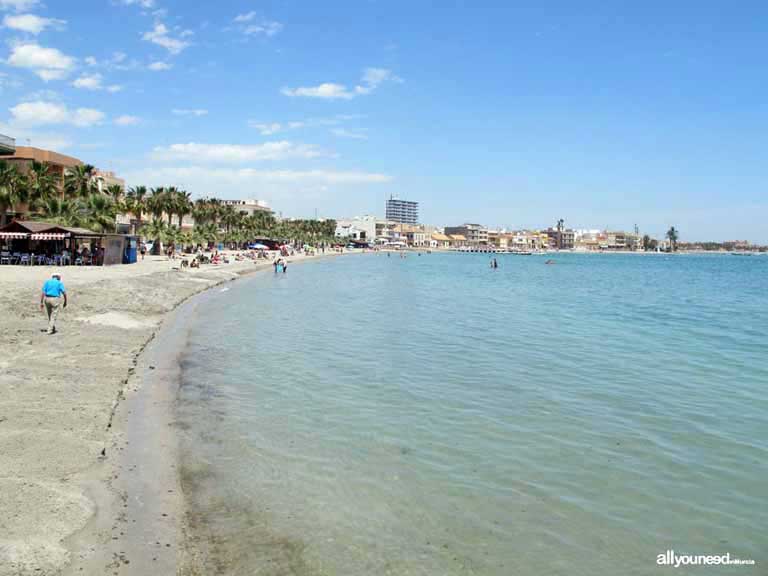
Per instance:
(669,558)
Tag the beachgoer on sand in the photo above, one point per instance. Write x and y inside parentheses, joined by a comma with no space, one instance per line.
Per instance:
(50,298)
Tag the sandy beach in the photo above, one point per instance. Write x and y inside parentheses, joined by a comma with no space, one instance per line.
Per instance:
(79,431)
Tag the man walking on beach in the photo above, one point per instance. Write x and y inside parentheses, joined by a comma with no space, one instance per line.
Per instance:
(50,297)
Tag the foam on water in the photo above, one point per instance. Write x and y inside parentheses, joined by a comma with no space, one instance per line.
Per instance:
(375,415)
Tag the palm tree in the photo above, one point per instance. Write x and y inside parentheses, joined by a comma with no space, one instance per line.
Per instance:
(184,239)
(215,207)
(261,223)
(116,192)
(672,236)
(137,204)
(79,181)
(156,202)
(57,210)
(171,200)
(207,233)
(229,217)
(40,184)
(183,205)
(560,225)
(155,230)
(98,212)
(13,190)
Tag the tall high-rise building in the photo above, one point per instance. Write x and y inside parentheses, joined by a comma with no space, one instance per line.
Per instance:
(402,211)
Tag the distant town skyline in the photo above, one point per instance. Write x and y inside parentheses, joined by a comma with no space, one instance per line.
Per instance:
(507,114)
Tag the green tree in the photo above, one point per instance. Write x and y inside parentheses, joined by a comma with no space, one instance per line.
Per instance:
(155,230)
(229,217)
(97,212)
(183,205)
(156,202)
(136,204)
(79,181)
(13,190)
(58,210)
(41,184)
(672,236)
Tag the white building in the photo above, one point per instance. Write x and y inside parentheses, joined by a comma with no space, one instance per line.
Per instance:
(248,207)
(359,228)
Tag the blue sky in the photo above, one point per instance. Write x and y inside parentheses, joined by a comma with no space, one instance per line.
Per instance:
(606,114)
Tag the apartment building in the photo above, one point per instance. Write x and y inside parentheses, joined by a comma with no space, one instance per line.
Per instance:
(402,211)
(474,234)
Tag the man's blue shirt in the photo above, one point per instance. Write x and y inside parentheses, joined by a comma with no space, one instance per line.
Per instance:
(53,288)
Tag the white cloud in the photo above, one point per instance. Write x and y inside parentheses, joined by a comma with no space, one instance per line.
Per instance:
(142,3)
(245,24)
(289,190)
(48,63)
(93,82)
(245,17)
(31,23)
(118,61)
(222,180)
(270,128)
(8,82)
(18,5)
(181,112)
(45,95)
(267,28)
(235,153)
(161,36)
(372,78)
(327,90)
(41,113)
(88,82)
(127,120)
(267,129)
(158,66)
(342,133)
(28,137)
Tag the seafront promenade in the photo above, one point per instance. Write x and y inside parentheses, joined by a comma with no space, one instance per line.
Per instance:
(59,392)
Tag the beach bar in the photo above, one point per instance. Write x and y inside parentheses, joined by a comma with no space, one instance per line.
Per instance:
(45,243)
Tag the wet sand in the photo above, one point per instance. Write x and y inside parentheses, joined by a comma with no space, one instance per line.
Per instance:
(87,451)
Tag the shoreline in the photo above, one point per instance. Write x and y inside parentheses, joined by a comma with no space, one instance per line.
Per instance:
(70,398)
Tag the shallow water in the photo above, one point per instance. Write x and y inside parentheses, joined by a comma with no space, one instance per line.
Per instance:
(374,415)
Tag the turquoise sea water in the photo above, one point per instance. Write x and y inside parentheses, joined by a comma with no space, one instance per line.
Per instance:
(428,415)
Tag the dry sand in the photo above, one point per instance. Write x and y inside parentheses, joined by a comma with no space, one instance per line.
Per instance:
(58,396)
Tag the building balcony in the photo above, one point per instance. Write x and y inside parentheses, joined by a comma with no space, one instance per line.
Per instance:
(7,146)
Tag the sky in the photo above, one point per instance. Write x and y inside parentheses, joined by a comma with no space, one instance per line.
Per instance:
(508,114)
